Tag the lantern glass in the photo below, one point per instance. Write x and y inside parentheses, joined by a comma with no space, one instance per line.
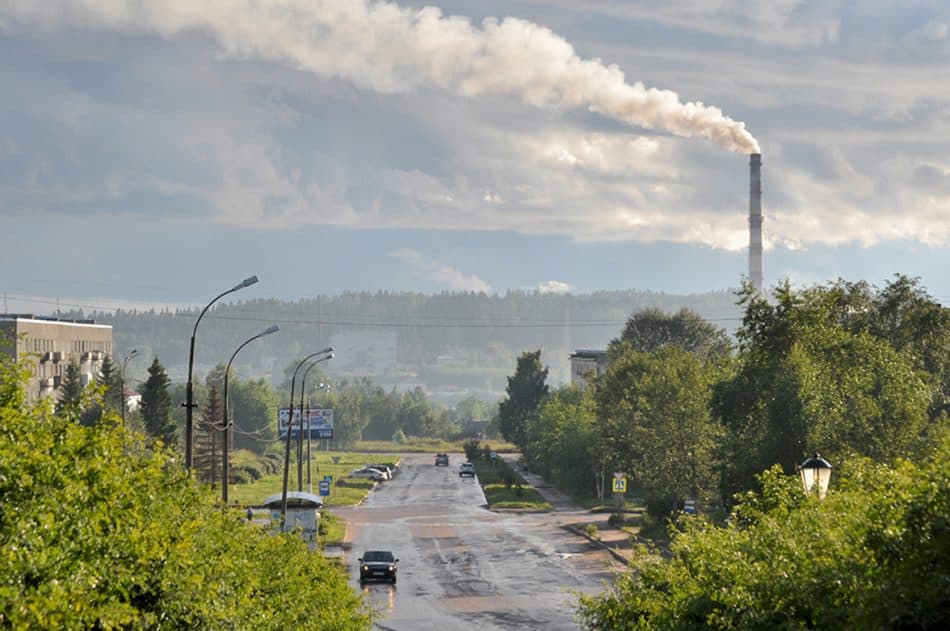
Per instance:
(816,475)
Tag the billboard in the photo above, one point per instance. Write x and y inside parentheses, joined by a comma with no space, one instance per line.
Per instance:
(319,422)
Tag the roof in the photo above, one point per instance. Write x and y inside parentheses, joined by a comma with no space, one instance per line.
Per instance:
(297,499)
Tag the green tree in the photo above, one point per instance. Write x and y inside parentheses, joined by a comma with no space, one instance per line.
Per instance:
(156,405)
(110,380)
(655,424)
(562,442)
(208,436)
(652,329)
(253,410)
(806,380)
(526,391)
(101,532)
(71,388)
(873,555)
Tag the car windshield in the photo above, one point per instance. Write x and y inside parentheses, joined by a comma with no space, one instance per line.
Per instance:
(378,556)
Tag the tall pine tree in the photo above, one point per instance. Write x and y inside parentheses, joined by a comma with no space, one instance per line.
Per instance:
(70,390)
(110,380)
(208,437)
(527,389)
(156,405)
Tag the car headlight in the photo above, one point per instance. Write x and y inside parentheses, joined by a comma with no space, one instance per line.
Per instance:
(392,568)
(365,568)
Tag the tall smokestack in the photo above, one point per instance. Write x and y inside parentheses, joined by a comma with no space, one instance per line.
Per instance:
(755,220)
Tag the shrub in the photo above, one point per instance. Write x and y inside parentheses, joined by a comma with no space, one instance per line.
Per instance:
(100,531)
(472,450)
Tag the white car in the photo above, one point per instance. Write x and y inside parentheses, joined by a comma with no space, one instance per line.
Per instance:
(380,467)
(369,474)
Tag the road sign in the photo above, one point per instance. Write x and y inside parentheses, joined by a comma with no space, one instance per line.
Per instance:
(620,483)
(324,488)
(689,507)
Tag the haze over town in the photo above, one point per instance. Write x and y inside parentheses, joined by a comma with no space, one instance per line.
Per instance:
(151,154)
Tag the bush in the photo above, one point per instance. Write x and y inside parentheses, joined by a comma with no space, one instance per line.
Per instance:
(399,437)
(873,555)
(591,531)
(101,531)
(472,450)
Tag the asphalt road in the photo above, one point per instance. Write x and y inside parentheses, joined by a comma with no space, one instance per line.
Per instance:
(462,566)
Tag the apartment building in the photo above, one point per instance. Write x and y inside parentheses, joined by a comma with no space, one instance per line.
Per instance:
(49,344)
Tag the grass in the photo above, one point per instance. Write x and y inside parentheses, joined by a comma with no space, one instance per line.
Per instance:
(343,492)
(504,488)
(332,529)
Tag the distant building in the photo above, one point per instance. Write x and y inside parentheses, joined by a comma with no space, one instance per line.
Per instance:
(585,364)
(371,351)
(49,344)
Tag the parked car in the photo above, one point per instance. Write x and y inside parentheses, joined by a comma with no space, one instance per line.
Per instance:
(467,469)
(381,467)
(378,565)
(442,460)
(369,474)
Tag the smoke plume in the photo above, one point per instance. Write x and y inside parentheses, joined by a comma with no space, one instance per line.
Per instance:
(384,47)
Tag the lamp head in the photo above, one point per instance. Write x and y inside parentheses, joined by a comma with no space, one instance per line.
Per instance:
(816,474)
(247,282)
(271,329)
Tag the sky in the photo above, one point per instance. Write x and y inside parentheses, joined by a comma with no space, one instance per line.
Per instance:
(158,152)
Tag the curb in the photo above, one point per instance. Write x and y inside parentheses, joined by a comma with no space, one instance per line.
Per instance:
(580,533)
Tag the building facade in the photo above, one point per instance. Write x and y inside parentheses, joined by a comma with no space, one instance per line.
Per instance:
(49,344)
(585,364)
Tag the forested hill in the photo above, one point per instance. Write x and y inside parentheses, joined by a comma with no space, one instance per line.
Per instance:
(447,340)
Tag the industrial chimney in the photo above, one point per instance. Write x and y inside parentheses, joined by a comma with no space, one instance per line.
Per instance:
(755,220)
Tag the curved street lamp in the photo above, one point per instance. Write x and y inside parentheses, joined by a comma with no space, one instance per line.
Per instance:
(816,474)
(290,422)
(303,389)
(189,387)
(225,466)
(125,362)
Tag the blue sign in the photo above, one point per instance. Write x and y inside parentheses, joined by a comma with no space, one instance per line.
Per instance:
(319,422)
(328,479)
(324,488)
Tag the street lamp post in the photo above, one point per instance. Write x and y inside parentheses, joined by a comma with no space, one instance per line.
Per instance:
(303,389)
(189,387)
(225,465)
(816,474)
(125,361)
(290,422)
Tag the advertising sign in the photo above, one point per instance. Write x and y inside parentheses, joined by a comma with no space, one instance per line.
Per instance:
(319,422)
(324,488)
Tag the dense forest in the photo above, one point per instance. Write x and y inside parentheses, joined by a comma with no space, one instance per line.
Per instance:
(464,342)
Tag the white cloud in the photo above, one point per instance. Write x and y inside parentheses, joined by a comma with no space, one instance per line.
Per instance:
(439,273)
(554,287)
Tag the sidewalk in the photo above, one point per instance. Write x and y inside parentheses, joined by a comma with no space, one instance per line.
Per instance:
(575,518)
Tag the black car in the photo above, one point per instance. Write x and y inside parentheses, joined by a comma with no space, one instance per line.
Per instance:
(442,459)
(378,565)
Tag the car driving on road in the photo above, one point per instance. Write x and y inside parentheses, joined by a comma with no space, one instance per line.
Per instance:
(442,460)
(378,565)
(467,469)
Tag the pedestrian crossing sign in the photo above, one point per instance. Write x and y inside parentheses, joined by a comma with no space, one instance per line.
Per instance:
(620,483)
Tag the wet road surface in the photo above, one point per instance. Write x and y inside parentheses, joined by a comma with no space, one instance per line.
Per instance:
(462,566)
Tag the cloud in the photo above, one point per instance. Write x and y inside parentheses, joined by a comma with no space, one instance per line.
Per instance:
(441,274)
(554,287)
(399,49)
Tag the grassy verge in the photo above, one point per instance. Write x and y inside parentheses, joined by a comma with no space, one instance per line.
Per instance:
(343,492)
(332,529)
(504,488)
